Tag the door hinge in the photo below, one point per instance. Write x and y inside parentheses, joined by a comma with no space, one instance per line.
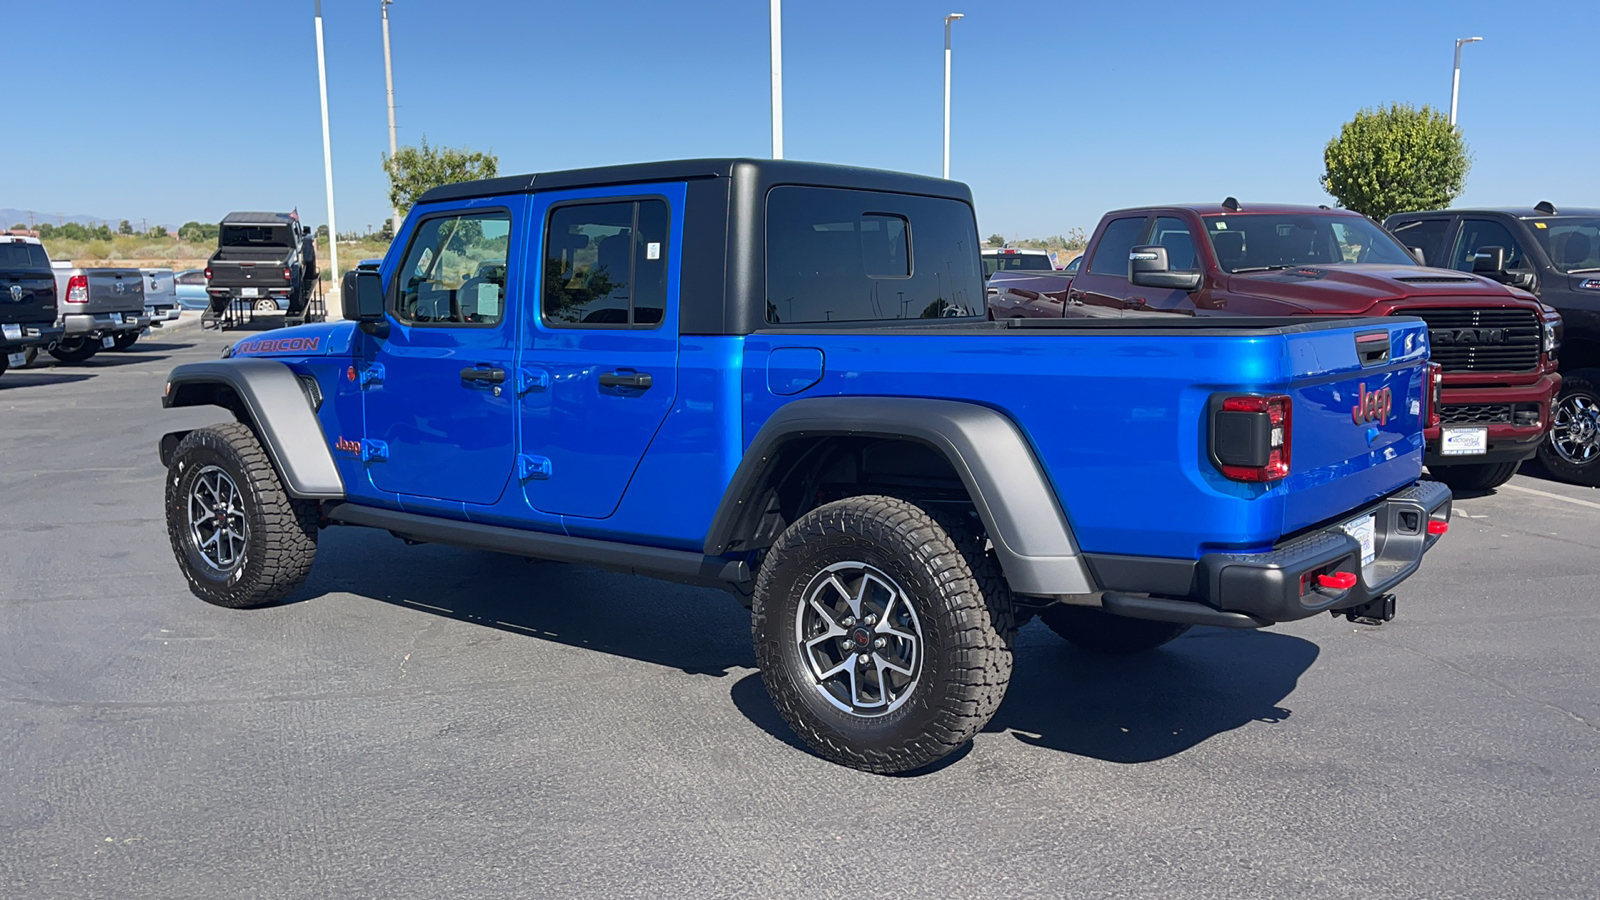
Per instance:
(532,379)
(373,372)
(532,467)
(374,451)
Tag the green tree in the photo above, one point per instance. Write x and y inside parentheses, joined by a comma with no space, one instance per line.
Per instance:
(157,231)
(387,231)
(414,170)
(996,240)
(124,227)
(101,232)
(1398,159)
(46,231)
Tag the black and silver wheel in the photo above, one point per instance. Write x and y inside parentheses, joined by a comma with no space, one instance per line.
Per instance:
(76,349)
(1478,477)
(240,540)
(125,340)
(883,633)
(265,305)
(1101,632)
(1572,450)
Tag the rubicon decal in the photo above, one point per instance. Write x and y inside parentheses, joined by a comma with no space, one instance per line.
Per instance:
(279,345)
(1372,405)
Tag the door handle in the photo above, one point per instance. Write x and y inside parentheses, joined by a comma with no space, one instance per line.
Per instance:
(483,374)
(640,380)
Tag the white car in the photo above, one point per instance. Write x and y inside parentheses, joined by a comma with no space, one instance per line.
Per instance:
(997,258)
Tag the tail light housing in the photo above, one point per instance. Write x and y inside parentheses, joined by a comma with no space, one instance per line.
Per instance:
(1251,436)
(78,289)
(1431,394)
(208,273)
(287,275)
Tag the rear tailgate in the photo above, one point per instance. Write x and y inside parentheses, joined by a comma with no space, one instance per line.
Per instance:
(1357,416)
(160,287)
(27,289)
(245,268)
(114,290)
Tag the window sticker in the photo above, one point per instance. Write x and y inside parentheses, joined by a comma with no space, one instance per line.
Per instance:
(1540,225)
(652,250)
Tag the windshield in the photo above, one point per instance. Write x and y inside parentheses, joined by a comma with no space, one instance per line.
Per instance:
(1037,262)
(1269,241)
(1573,244)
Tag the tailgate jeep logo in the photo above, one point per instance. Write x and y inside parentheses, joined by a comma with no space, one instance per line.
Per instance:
(1372,405)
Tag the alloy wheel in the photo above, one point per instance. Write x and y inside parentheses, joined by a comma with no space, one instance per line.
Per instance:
(1575,431)
(216,519)
(860,639)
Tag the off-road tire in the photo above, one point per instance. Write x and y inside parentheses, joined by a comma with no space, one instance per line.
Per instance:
(1474,477)
(75,349)
(1585,384)
(282,531)
(1101,632)
(125,340)
(959,598)
(264,305)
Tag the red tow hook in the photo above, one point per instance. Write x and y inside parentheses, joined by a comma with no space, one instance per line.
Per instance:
(1342,581)
(1438,526)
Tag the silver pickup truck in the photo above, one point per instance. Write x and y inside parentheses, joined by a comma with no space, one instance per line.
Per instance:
(160,299)
(98,309)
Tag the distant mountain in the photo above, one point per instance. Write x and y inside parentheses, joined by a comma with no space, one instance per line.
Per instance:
(13,216)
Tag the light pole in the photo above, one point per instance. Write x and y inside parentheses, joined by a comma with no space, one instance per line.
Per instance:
(327,155)
(1455,78)
(947,20)
(388,79)
(777,79)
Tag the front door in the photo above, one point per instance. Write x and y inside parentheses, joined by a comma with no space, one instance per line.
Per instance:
(602,364)
(1101,288)
(439,390)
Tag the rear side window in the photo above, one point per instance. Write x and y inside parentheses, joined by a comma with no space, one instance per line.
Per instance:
(1031,262)
(836,255)
(22,255)
(1428,234)
(256,236)
(605,265)
(1119,237)
(1174,235)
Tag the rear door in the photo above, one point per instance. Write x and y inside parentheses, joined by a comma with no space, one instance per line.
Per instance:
(602,360)
(439,388)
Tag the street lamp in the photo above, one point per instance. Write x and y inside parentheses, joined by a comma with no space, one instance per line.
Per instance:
(947,20)
(777,79)
(327,153)
(1455,79)
(388,78)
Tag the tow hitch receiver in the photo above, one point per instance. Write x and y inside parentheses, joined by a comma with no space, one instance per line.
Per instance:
(1376,611)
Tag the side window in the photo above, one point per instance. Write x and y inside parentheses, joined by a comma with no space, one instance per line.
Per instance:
(455,271)
(836,255)
(1427,234)
(605,265)
(1174,235)
(1119,237)
(1476,233)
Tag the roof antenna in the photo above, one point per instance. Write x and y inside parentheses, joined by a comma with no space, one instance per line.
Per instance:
(1546,207)
(1231,203)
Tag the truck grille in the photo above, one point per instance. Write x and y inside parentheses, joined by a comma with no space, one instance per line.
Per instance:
(1476,414)
(1482,340)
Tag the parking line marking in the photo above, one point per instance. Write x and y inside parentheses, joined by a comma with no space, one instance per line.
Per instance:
(1513,487)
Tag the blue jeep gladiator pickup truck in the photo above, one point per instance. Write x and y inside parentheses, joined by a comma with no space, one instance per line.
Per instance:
(778,378)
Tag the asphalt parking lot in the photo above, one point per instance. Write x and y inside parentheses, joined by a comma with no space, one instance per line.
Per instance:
(426,721)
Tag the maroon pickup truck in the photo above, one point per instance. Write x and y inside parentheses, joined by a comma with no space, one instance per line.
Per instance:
(1494,343)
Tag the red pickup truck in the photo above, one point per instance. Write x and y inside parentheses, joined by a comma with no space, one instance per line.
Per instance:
(1493,343)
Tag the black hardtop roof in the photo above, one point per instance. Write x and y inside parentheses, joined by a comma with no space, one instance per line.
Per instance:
(1526,212)
(767,171)
(257,218)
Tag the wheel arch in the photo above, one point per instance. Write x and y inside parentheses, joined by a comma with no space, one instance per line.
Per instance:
(267,396)
(984,450)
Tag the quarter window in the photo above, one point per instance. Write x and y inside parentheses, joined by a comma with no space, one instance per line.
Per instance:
(605,265)
(836,255)
(455,271)
(1118,238)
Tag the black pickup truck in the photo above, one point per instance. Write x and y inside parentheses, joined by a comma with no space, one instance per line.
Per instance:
(1554,253)
(27,300)
(267,260)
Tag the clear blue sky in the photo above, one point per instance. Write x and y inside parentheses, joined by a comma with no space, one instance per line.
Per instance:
(172,110)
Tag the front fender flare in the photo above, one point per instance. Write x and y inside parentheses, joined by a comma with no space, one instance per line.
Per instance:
(279,413)
(1015,500)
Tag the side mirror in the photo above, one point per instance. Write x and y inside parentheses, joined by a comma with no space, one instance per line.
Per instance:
(1489,260)
(1418,255)
(361,295)
(1148,267)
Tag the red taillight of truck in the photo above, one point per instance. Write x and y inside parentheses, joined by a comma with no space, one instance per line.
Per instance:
(78,289)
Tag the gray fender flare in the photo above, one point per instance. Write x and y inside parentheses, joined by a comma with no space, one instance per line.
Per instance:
(1016,502)
(279,411)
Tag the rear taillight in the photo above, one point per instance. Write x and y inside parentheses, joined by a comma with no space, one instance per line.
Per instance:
(78,289)
(208,273)
(1431,394)
(287,275)
(1251,436)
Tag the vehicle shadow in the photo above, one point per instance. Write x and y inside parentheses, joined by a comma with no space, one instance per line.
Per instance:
(1149,706)
(18,378)
(698,631)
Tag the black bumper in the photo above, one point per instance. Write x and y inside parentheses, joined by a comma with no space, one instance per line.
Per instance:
(1248,590)
(31,335)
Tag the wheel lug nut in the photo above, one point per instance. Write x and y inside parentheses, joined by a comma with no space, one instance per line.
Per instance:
(847,621)
(880,643)
(863,659)
(870,619)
